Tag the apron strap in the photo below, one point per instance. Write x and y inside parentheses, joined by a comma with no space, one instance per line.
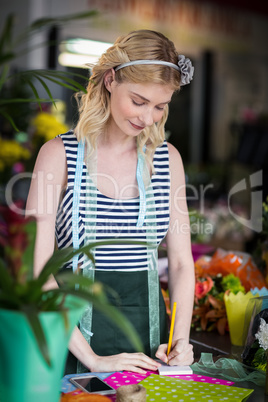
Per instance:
(153,279)
(154,319)
(90,236)
(142,191)
(76,201)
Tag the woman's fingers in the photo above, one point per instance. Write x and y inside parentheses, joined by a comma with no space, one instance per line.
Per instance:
(161,352)
(139,360)
(181,353)
(136,362)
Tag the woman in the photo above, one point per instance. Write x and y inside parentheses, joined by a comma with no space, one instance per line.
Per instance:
(115,176)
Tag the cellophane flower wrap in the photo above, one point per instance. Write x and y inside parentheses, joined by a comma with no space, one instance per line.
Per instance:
(225,271)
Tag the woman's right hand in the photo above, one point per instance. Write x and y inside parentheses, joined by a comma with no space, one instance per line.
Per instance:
(136,362)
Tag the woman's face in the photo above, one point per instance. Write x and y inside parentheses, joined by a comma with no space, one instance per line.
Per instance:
(136,106)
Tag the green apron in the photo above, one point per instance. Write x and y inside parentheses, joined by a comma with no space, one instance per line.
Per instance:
(139,296)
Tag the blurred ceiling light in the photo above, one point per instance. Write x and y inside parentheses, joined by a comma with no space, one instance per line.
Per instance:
(79,52)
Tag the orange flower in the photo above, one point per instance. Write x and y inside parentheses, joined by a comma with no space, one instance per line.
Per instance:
(166,300)
(203,287)
(210,315)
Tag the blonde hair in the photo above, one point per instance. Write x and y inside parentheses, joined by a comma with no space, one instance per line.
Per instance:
(94,106)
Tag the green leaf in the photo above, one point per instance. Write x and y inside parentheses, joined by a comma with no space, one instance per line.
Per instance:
(62,256)
(35,93)
(6,35)
(6,281)
(61,83)
(9,118)
(47,21)
(74,279)
(46,88)
(49,303)
(69,278)
(109,311)
(55,263)
(9,298)
(4,102)
(6,57)
(36,326)
(28,255)
(62,78)
(4,75)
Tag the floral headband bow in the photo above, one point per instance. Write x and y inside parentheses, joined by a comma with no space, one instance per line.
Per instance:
(184,66)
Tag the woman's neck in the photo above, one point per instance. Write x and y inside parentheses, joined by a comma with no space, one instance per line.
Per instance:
(116,141)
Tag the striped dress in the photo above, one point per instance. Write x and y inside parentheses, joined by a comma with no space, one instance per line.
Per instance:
(123,267)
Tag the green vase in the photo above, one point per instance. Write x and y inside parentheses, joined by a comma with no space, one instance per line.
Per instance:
(24,374)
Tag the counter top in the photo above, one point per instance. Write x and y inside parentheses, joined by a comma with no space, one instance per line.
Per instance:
(207,342)
(220,346)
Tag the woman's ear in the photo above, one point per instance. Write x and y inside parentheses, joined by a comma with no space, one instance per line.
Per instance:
(109,77)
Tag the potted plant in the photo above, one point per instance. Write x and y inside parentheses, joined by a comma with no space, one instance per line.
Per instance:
(11,48)
(36,324)
(20,92)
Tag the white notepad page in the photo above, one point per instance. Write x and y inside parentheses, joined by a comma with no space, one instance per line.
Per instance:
(174,370)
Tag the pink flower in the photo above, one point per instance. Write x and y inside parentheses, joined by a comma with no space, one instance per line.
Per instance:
(203,287)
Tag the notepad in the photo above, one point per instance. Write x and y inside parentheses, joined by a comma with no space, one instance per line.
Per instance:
(174,370)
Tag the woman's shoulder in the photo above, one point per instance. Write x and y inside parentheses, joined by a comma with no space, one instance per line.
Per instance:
(175,158)
(173,152)
(52,159)
(57,146)
(53,148)
(167,149)
(68,136)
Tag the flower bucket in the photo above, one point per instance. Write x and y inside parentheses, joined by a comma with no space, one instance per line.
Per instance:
(236,305)
(24,374)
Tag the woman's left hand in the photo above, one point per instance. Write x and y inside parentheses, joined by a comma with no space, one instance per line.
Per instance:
(181,353)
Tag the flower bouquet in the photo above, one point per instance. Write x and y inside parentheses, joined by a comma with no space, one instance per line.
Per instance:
(255,353)
(209,311)
(224,272)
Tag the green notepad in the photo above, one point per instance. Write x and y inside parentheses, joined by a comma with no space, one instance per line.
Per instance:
(162,388)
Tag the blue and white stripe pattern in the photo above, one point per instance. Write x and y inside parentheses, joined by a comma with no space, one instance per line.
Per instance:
(114,219)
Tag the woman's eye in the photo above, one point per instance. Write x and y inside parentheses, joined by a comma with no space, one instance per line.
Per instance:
(136,103)
(159,108)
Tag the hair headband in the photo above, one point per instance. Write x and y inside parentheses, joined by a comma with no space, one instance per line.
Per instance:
(184,66)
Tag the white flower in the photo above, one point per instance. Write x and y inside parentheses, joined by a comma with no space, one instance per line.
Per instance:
(186,68)
(262,334)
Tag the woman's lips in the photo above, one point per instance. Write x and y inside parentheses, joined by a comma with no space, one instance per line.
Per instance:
(136,127)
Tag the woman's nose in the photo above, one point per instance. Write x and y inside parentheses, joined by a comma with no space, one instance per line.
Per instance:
(147,118)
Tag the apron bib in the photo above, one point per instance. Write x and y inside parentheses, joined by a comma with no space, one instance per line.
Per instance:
(139,294)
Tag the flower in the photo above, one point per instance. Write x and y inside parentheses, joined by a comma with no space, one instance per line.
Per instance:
(186,69)
(11,152)
(209,311)
(15,236)
(202,287)
(261,355)
(265,217)
(262,334)
(232,283)
(210,314)
(47,126)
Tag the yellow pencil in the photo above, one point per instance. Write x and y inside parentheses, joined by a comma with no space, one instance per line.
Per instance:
(171,327)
